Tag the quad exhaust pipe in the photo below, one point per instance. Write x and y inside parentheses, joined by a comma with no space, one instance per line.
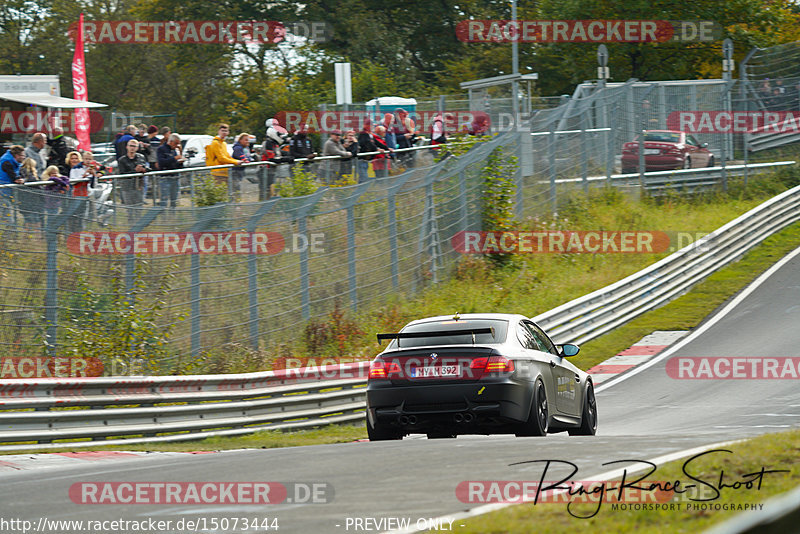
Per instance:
(463,418)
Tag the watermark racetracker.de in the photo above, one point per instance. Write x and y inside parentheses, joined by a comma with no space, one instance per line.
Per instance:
(736,122)
(177,243)
(575,242)
(200,493)
(316,121)
(200,31)
(587,31)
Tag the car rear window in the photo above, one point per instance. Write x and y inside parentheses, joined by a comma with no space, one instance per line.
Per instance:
(663,137)
(500,328)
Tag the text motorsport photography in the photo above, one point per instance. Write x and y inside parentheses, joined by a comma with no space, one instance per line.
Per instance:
(635,491)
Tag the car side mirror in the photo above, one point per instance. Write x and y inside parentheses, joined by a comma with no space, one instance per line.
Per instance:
(703,145)
(568,349)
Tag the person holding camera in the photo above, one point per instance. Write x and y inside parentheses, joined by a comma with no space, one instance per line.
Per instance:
(169,158)
(333,147)
(131,188)
(243,152)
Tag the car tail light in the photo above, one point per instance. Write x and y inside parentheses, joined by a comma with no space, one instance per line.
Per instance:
(499,364)
(377,369)
(478,363)
(494,364)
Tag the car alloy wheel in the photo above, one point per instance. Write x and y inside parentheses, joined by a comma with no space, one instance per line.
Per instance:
(536,425)
(588,415)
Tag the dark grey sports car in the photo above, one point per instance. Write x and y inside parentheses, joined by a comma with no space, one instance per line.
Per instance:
(477,374)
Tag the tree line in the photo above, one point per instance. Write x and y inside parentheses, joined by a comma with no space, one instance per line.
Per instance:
(406,48)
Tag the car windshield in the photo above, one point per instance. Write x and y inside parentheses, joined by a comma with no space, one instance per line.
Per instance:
(664,137)
(500,328)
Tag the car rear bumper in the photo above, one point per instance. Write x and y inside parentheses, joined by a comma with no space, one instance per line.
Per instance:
(653,163)
(457,408)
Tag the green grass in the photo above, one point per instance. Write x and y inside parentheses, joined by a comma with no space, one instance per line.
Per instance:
(771,451)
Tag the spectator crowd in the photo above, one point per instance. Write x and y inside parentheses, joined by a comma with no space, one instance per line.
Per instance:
(139,149)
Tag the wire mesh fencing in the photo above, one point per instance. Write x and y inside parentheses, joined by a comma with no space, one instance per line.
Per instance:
(246,272)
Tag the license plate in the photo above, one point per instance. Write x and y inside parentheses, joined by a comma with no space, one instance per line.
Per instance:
(652,151)
(434,372)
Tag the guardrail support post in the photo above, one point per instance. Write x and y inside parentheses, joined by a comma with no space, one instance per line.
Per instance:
(305,299)
(462,201)
(610,140)
(349,203)
(431,228)
(520,199)
(141,223)
(395,262)
(723,154)
(551,156)
(52,224)
(51,294)
(252,275)
(584,156)
(351,257)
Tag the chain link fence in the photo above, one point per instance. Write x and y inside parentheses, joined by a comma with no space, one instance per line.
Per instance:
(63,269)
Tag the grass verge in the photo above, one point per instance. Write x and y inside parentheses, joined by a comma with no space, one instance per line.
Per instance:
(771,451)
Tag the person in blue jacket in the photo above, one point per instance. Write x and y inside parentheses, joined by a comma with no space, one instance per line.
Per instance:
(9,174)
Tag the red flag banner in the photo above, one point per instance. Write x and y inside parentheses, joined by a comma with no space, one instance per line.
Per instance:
(82,122)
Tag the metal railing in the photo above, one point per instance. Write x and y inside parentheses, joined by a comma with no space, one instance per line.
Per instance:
(175,408)
(194,407)
(601,311)
(386,234)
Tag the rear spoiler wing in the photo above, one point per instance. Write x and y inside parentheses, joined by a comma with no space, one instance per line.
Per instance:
(437,333)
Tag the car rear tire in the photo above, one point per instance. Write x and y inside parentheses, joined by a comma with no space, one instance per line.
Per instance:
(687,163)
(588,415)
(382,433)
(627,170)
(711,161)
(537,423)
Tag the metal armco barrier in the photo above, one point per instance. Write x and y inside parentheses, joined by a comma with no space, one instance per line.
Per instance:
(178,408)
(175,408)
(688,179)
(592,315)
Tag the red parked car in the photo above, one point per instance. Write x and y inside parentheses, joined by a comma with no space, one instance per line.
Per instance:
(665,150)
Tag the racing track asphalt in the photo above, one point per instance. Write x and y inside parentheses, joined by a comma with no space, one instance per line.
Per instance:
(644,416)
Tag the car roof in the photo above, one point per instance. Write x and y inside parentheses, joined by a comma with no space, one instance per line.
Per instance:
(501,316)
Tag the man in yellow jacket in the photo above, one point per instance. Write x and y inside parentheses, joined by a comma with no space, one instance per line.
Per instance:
(217,154)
